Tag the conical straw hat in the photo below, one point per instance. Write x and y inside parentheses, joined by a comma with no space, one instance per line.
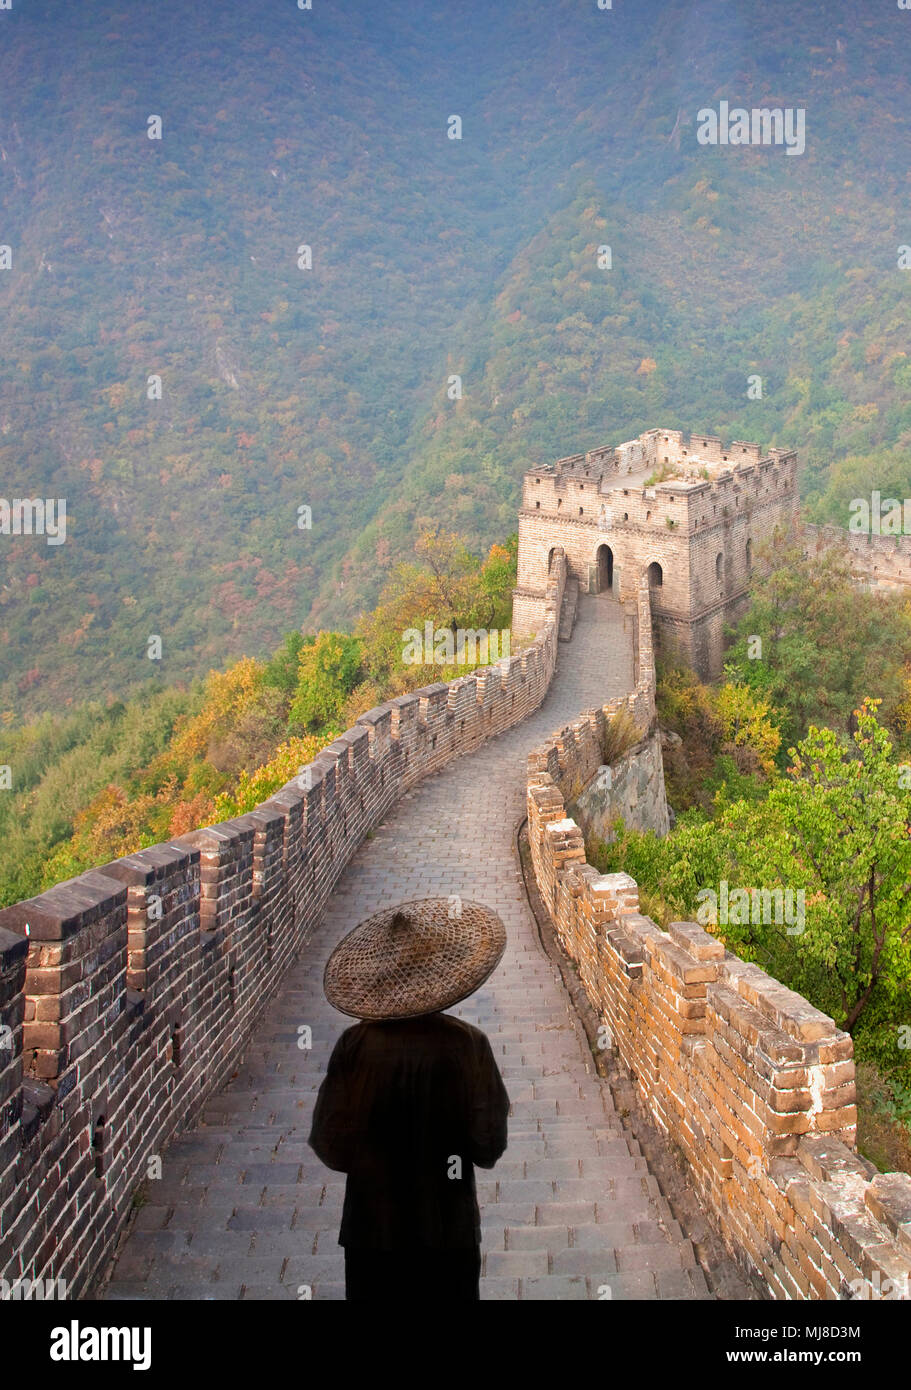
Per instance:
(414,959)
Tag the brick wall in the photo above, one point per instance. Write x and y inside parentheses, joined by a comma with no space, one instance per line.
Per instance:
(128,995)
(883,562)
(746,1078)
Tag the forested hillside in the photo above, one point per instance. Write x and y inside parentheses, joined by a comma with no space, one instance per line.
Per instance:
(326,388)
(110,778)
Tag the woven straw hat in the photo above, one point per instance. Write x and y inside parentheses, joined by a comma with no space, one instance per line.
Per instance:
(414,959)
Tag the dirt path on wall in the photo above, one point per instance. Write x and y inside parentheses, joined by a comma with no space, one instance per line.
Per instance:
(245,1209)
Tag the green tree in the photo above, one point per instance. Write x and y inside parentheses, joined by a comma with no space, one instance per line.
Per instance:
(448,587)
(283,669)
(826,644)
(328,671)
(837,828)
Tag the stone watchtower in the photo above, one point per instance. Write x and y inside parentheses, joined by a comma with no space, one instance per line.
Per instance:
(688,512)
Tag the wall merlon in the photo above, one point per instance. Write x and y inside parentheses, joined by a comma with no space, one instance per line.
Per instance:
(695,941)
(790,1011)
(64,910)
(681,964)
(888,1199)
(290,799)
(377,719)
(463,697)
(434,700)
(218,840)
(311,792)
(150,866)
(359,742)
(13,954)
(489,685)
(831,1161)
(268,822)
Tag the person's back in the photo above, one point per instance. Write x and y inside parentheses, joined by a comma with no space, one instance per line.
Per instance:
(412,1099)
(407,1109)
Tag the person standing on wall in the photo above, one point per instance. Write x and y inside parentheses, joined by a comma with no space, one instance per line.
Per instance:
(412,1101)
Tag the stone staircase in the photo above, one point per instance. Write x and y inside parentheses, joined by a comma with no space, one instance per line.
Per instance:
(572,1211)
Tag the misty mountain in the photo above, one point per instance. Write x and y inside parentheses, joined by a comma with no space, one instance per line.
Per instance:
(176,370)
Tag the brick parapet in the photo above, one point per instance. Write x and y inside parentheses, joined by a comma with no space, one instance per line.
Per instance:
(754,1085)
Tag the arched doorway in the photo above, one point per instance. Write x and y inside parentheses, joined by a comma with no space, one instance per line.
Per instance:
(605,559)
(655,575)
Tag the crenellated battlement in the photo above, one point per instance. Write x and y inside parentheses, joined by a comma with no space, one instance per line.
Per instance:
(128,994)
(690,491)
(655,448)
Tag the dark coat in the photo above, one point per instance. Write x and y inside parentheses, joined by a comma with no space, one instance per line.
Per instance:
(406,1109)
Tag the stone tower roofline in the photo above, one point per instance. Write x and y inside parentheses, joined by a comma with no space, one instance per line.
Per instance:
(657,448)
(720,484)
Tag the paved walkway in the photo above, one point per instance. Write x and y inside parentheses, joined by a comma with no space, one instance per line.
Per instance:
(245,1210)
